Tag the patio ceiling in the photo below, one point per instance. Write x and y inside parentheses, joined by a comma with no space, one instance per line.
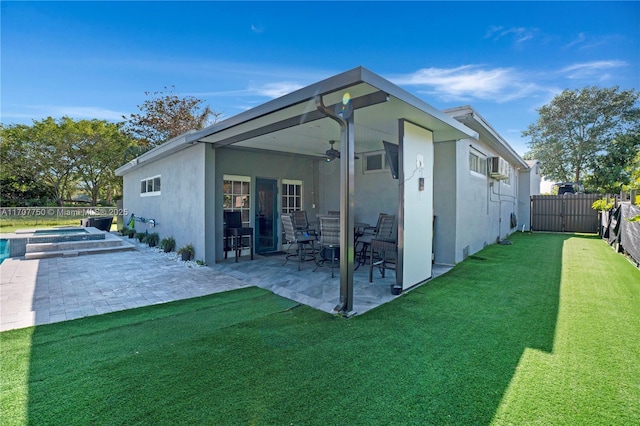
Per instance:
(293,124)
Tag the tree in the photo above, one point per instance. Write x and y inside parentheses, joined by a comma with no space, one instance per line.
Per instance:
(99,146)
(578,127)
(18,183)
(61,156)
(165,115)
(50,156)
(613,170)
(634,172)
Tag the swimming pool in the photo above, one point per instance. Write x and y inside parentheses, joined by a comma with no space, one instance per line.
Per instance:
(18,240)
(4,249)
(61,231)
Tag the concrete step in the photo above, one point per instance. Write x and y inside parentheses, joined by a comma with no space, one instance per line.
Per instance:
(72,245)
(123,246)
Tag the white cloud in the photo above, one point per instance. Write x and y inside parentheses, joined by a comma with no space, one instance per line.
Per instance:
(275,90)
(580,39)
(257,29)
(517,34)
(591,70)
(469,82)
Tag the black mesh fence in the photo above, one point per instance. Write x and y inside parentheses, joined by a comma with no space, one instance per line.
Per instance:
(623,232)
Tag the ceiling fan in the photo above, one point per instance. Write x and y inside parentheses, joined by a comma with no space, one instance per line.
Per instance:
(332,154)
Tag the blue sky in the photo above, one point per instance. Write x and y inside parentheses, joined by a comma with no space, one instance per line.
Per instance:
(96,59)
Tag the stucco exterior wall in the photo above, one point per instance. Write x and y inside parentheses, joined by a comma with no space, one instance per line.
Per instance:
(524,200)
(445,200)
(179,210)
(472,210)
(484,205)
(375,193)
(258,164)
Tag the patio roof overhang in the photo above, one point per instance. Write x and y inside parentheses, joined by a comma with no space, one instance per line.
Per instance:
(293,124)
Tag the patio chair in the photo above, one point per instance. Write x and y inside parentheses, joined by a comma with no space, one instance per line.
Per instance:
(373,229)
(301,222)
(302,239)
(364,240)
(235,233)
(384,247)
(329,241)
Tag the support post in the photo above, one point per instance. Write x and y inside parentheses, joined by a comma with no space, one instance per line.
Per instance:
(347,159)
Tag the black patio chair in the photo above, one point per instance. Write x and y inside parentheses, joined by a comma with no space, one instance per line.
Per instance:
(235,233)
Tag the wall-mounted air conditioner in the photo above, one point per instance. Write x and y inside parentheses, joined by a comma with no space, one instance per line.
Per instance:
(498,168)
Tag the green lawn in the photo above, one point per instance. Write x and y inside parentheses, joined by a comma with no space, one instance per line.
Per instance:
(544,331)
(11,224)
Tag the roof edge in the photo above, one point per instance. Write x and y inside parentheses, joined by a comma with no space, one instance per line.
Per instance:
(468,114)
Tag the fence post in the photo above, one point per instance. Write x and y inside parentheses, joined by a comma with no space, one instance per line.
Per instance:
(632,194)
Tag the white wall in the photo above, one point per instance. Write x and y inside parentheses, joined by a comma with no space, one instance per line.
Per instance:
(416,236)
(524,199)
(180,208)
(471,210)
(484,204)
(445,202)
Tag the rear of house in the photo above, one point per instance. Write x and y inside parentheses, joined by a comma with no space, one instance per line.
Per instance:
(271,160)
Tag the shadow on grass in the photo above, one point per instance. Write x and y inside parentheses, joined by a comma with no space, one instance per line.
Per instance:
(442,354)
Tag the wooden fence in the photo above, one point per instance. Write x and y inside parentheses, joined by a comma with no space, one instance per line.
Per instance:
(564,213)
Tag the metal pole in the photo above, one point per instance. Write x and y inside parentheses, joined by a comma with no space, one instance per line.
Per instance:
(347,159)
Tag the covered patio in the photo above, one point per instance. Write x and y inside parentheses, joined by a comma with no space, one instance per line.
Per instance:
(315,288)
(356,113)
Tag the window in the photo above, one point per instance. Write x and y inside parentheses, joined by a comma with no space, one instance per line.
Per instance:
(236,196)
(150,186)
(374,162)
(507,181)
(291,195)
(477,163)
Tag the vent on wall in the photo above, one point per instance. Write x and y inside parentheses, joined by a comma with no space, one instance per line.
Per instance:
(498,168)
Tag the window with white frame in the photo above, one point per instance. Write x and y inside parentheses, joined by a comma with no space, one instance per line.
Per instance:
(477,163)
(291,195)
(374,162)
(236,193)
(150,186)
(507,181)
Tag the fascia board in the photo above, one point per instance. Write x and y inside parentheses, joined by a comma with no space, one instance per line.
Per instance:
(173,145)
(471,118)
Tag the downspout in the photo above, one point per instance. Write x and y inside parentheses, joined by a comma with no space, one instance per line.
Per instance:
(344,117)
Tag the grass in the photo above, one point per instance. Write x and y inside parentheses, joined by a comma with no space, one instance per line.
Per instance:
(13,223)
(543,331)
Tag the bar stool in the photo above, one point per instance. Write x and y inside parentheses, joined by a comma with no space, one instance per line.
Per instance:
(234,231)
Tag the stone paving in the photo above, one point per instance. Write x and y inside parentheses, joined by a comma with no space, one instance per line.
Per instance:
(42,291)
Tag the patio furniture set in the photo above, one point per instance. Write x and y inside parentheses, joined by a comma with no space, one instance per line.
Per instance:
(374,245)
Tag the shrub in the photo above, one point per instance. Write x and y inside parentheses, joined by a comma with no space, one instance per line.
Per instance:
(187,252)
(602,205)
(168,244)
(152,239)
(140,236)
